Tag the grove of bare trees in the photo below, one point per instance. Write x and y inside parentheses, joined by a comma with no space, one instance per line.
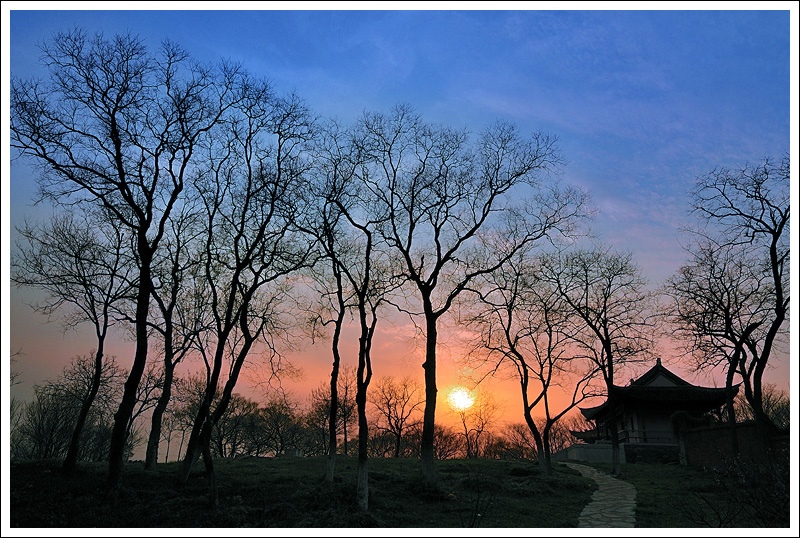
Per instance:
(220,224)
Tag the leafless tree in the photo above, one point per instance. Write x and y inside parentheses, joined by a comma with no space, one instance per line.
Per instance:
(614,309)
(322,220)
(16,407)
(522,322)
(181,308)
(280,426)
(251,246)
(775,403)
(347,404)
(188,392)
(476,422)
(446,202)
(520,441)
(345,221)
(709,310)
(47,427)
(317,422)
(396,401)
(80,262)
(119,128)
(448,442)
(742,242)
(170,425)
(229,437)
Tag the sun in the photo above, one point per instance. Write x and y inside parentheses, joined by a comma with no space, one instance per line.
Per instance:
(460,399)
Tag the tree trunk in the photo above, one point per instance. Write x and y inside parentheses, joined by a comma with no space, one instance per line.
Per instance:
(729,406)
(334,414)
(544,464)
(192,454)
(427,448)
(754,397)
(74,446)
(169,441)
(362,487)
(211,477)
(547,451)
(397,444)
(333,422)
(151,455)
(194,444)
(116,452)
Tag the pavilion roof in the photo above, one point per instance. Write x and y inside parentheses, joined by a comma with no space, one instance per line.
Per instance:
(677,394)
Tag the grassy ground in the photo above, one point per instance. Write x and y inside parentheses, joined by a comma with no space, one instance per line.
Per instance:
(288,492)
(672,495)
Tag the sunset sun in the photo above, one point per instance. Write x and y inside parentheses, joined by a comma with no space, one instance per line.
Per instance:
(460,399)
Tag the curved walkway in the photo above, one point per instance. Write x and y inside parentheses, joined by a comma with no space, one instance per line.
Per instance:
(612,505)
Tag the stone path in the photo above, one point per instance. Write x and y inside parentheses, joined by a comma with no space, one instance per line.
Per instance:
(612,505)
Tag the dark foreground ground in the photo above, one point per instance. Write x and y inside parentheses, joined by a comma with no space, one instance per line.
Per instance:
(290,493)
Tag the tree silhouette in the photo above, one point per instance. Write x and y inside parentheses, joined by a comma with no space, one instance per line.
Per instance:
(119,128)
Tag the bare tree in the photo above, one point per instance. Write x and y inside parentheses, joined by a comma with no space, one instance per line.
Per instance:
(322,220)
(348,412)
(119,128)
(47,426)
(396,401)
(188,392)
(347,222)
(16,408)
(280,426)
(181,308)
(614,313)
(317,422)
(775,403)
(251,245)
(229,437)
(520,441)
(445,202)
(447,442)
(476,421)
(742,238)
(170,425)
(522,322)
(710,308)
(80,263)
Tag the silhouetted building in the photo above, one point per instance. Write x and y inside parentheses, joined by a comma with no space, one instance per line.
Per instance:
(644,416)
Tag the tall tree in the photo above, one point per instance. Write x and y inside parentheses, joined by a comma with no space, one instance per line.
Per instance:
(710,307)
(522,322)
(742,238)
(80,262)
(614,313)
(322,219)
(445,202)
(347,223)
(181,309)
(251,244)
(119,128)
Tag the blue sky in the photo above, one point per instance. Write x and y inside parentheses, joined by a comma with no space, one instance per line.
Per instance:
(643,102)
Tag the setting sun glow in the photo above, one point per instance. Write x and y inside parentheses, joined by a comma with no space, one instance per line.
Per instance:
(460,399)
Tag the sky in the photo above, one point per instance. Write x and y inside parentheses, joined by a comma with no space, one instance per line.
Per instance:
(642,103)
